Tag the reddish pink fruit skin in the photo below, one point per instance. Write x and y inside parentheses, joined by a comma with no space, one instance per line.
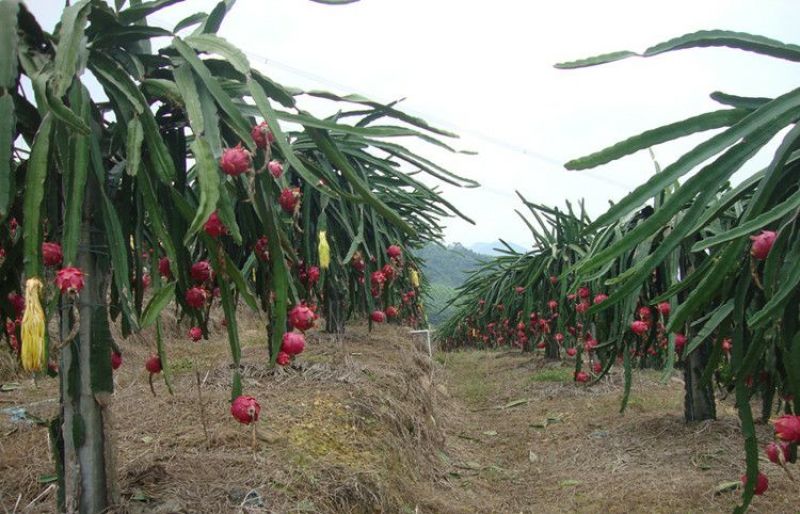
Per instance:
(293,343)
(262,135)
(680,342)
(312,275)
(214,227)
(639,327)
(581,376)
(283,359)
(51,254)
(116,360)
(275,168)
(378,316)
(153,364)
(195,333)
(519,289)
(774,450)
(200,271)
(762,483)
(559,337)
(553,305)
(583,292)
(388,272)
(195,297)
(18,302)
(664,308)
(69,279)
(581,307)
(572,352)
(762,244)
(391,311)
(787,428)
(394,252)
(164,268)
(600,298)
(235,161)
(553,279)
(261,248)
(289,199)
(245,409)
(727,346)
(597,368)
(377,277)
(644,313)
(301,317)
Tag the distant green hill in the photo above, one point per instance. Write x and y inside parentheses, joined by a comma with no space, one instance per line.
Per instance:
(446,269)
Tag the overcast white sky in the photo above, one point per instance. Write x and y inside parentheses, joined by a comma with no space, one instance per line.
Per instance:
(484,70)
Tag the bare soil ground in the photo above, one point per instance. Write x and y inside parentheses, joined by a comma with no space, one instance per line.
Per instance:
(370,424)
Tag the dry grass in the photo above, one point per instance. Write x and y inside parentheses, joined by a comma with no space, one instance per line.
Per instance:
(369,424)
(349,429)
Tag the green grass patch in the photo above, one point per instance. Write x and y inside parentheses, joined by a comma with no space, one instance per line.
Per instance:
(552,375)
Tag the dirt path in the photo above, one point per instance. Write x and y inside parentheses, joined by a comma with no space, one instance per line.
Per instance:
(524,438)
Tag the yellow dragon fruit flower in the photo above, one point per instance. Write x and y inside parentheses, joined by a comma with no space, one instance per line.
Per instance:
(324,250)
(33,325)
(415,278)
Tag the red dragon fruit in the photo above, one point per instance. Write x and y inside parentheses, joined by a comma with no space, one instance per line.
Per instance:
(283,359)
(69,280)
(262,135)
(762,483)
(289,199)
(164,268)
(51,254)
(195,334)
(301,317)
(235,161)
(762,244)
(378,316)
(153,364)
(261,249)
(214,227)
(394,252)
(200,271)
(293,343)
(245,409)
(639,328)
(195,297)
(275,168)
